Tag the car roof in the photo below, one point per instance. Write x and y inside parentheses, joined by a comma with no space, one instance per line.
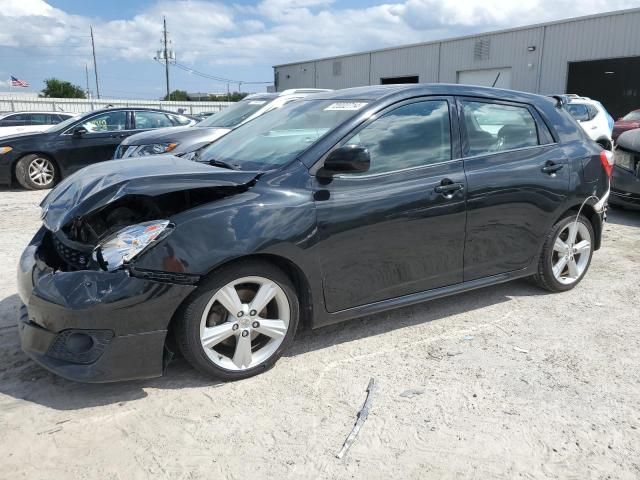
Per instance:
(20,112)
(378,92)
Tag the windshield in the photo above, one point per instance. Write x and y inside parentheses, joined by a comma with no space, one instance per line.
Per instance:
(62,125)
(633,116)
(279,136)
(235,114)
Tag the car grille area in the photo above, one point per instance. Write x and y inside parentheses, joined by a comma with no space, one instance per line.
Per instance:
(74,258)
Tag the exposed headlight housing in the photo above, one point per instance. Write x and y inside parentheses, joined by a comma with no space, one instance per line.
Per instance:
(625,160)
(126,244)
(151,149)
(4,150)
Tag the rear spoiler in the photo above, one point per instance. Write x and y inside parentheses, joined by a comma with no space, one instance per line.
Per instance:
(561,100)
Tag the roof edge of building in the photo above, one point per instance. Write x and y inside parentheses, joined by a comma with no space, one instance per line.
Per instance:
(466,37)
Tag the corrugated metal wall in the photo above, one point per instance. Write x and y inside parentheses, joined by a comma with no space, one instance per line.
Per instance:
(542,70)
(592,39)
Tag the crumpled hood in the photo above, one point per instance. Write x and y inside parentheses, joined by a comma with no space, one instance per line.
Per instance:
(175,135)
(102,183)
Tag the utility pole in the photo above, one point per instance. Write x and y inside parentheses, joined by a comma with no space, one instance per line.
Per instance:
(86,72)
(166,56)
(95,64)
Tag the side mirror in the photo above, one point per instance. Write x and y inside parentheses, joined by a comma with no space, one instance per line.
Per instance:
(347,159)
(79,132)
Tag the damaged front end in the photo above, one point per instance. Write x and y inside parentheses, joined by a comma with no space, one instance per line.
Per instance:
(90,314)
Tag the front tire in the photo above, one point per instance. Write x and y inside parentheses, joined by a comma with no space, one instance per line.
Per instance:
(36,172)
(239,321)
(566,254)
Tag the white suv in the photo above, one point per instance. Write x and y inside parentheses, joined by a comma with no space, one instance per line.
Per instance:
(593,118)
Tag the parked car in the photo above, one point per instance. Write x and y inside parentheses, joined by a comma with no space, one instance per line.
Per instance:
(40,160)
(187,141)
(342,204)
(630,121)
(625,183)
(593,118)
(23,122)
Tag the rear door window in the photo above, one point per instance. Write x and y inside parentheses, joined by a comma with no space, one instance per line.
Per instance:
(147,120)
(495,127)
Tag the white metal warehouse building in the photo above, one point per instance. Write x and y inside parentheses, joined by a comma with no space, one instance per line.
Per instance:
(596,56)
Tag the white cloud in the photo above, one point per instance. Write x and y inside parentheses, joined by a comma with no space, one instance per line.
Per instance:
(274,31)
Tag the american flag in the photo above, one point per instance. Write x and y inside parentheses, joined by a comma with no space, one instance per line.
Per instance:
(16,82)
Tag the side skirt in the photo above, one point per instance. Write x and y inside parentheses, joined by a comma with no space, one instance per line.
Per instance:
(412,299)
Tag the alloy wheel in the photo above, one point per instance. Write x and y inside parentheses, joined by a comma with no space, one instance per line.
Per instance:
(41,171)
(244,323)
(571,253)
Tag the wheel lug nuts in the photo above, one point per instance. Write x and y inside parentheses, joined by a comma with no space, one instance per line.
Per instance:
(245,333)
(240,314)
(253,313)
(235,327)
(255,324)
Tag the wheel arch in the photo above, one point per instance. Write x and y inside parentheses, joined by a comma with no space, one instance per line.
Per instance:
(605,142)
(293,271)
(594,218)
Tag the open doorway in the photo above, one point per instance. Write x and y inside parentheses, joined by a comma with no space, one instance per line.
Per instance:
(613,82)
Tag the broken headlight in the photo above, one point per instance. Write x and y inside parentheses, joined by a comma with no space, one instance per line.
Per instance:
(126,244)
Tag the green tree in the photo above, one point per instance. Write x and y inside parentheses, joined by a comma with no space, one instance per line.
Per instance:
(55,88)
(232,97)
(177,96)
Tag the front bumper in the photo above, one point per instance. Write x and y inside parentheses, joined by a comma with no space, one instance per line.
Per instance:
(6,162)
(94,326)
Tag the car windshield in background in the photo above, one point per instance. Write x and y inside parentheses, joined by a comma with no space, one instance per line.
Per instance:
(281,135)
(633,116)
(235,114)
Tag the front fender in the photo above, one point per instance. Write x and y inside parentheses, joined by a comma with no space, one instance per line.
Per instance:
(267,219)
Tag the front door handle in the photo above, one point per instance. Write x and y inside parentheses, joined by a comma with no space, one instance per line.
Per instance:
(551,167)
(447,187)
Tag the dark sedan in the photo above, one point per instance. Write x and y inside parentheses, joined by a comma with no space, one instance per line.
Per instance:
(40,160)
(625,184)
(336,206)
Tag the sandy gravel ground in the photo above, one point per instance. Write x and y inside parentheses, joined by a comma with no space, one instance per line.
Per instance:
(506,382)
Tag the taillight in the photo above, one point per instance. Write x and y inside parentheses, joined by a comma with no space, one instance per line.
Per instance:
(606,158)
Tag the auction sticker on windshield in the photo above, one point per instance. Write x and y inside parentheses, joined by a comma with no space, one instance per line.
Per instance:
(257,102)
(346,106)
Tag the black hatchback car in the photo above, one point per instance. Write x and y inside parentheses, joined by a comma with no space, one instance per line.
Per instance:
(39,160)
(343,204)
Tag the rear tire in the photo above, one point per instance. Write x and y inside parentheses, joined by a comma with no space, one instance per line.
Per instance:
(566,254)
(36,172)
(239,321)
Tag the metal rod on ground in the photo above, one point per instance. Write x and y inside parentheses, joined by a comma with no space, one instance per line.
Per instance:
(95,64)
(362,416)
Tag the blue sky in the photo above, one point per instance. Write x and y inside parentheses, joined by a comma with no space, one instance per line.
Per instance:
(238,40)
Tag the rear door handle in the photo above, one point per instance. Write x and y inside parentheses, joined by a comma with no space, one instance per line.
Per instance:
(551,167)
(447,187)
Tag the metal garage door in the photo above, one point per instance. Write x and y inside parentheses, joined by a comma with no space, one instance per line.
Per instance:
(488,77)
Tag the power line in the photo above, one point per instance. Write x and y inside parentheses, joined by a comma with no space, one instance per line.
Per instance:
(217,78)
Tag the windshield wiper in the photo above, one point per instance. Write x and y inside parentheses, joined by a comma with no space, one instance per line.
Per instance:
(218,163)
